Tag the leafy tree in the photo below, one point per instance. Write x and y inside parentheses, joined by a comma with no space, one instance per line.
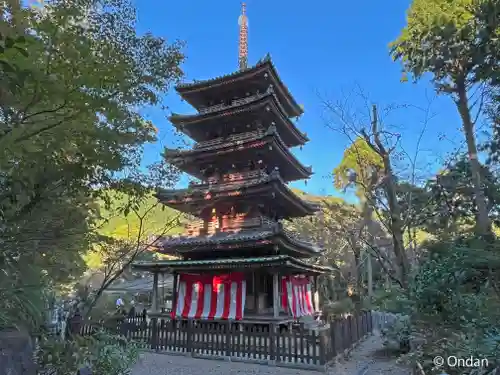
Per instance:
(129,236)
(71,128)
(360,169)
(458,42)
(328,229)
(370,155)
(453,208)
(455,303)
(492,146)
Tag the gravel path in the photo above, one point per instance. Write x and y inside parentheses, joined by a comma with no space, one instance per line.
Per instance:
(369,358)
(364,360)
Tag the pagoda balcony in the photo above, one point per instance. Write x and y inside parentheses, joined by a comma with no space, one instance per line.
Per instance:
(236,177)
(235,102)
(228,224)
(236,151)
(260,234)
(236,138)
(238,116)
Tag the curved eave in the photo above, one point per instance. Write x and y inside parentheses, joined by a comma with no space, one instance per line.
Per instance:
(240,240)
(186,90)
(305,249)
(181,158)
(310,268)
(296,109)
(169,265)
(297,248)
(231,263)
(308,208)
(185,122)
(219,241)
(192,200)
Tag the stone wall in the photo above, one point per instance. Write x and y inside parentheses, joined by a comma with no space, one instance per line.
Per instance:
(16,353)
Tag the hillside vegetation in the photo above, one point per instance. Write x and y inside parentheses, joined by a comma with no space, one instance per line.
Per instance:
(126,226)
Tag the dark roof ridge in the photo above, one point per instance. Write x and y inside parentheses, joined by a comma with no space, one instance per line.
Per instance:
(271,131)
(260,233)
(261,63)
(262,178)
(240,104)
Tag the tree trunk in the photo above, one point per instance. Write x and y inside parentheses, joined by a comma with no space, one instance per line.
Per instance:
(369,274)
(367,218)
(483,224)
(396,224)
(357,264)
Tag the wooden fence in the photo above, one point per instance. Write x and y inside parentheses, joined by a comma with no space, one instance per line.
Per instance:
(295,347)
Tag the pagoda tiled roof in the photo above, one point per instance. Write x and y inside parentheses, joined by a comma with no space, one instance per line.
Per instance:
(253,179)
(181,157)
(237,106)
(265,63)
(232,263)
(275,233)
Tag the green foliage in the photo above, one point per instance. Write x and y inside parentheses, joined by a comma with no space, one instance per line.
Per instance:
(338,308)
(492,146)
(451,39)
(75,76)
(446,203)
(398,334)
(455,305)
(328,230)
(357,167)
(458,42)
(393,300)
(103,353)
(123,226)
(23,296)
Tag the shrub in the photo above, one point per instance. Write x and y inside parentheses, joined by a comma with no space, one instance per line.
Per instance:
(398,334)
(105,354)
(456,305)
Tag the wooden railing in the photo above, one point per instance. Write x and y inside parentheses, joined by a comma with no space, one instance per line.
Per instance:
(218,107)
(240,137)
(239,176)
(200,227)
(231,177)
(268,343)
(228,223)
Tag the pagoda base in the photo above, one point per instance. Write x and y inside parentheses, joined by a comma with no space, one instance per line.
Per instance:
(248,318)
(282,321)
(267,319)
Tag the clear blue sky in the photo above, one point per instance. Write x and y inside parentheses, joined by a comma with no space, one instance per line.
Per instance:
(317,46)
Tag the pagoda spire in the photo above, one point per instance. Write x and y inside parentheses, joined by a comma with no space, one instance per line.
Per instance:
(243,42)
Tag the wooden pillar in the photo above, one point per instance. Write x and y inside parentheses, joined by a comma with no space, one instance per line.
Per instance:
(174,293)
(255,292)
(276,297)
(154,304)
(316,294)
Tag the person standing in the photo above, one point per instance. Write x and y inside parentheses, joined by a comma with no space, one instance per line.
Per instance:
(131,312)
(119,303)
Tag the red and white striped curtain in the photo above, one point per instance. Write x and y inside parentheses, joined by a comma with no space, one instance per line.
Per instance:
(297,296)
(210,297)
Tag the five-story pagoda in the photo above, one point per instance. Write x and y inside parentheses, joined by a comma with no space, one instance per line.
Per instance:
(238,261)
